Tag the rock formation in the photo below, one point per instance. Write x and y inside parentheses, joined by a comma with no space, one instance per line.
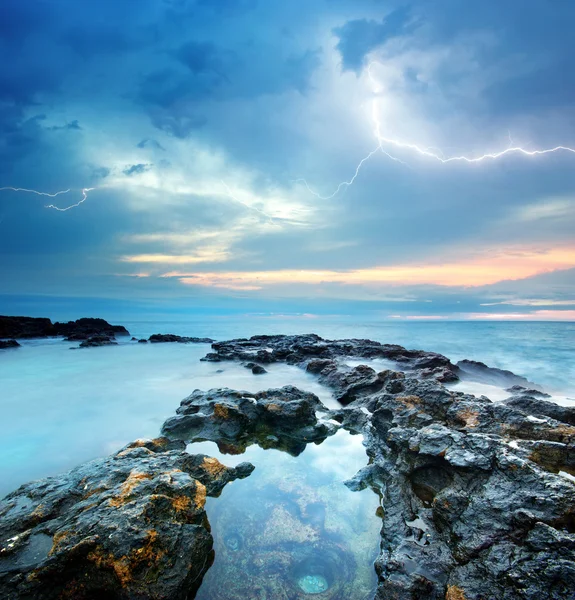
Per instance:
(129,526)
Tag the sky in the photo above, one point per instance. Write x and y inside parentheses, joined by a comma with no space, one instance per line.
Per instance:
(311,155)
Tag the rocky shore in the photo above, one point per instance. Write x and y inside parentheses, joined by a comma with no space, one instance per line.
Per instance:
(477,498)
(90,332)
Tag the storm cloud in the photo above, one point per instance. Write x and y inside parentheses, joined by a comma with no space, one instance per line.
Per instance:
(224,142)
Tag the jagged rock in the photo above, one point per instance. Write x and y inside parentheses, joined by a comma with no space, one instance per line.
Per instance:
(131,526)
(473,505)
(157,338)
(519,390)
(8,344)
(480,372)
(533,405)
(98,340)
(284,419)
(310,349)
(447,459)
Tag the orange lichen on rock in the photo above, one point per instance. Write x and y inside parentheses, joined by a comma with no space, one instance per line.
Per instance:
(200,497)
(469,417)
(59,538)
(454,593)
(38,511)
(213,466)
(181,503)
(273,407)
(221,411)
(409,402)
(149,555)
(132,448)
(134,480)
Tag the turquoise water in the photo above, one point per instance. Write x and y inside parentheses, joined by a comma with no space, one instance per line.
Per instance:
(61,407)
(293,529)
(540,351)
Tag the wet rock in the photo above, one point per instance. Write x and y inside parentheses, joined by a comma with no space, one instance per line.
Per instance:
(157,338)
(255,368)
(533,405)
(98,340)
(284,419)
(311,349)
(8,344)
(474,501)
(142,341)
(519,390)
(350,383)
(478,371)
(129,526)
(448,457)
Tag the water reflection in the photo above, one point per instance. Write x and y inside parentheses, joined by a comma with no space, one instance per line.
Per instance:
(293,529)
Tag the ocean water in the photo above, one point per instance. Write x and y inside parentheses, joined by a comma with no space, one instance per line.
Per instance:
(61,407)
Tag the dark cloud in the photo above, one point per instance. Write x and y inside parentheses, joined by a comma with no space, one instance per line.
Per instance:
(204,57)
(100,172)
(72,125)
(357,38)
(136,169)
(245,86)
(150,143)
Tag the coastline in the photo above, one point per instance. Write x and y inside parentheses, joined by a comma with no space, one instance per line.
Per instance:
(427,446)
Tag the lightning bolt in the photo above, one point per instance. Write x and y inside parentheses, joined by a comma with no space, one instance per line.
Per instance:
(85,192)
(437,154)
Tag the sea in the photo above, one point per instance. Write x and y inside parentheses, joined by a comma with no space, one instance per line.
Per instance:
(60,407)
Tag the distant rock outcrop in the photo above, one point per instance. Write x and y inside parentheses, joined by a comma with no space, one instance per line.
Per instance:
(8,344)
(158,338)
(32,327)
(25,327)
(98,340)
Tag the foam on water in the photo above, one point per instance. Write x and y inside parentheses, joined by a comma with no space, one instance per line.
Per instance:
(61,407)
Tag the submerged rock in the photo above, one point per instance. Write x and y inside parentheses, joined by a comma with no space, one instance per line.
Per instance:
(98,340)
(284,419)
(8,344)
(255,368)
(129,526)
(157,338)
